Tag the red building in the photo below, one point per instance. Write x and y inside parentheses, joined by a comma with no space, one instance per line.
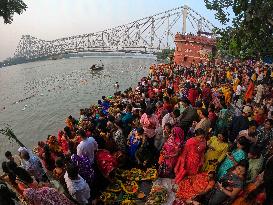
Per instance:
(192,49)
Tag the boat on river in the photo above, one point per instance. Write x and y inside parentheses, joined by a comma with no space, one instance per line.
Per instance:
(96,67)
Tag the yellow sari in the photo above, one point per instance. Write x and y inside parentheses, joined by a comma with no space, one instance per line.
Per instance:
(229,77)
(216,152)
(227,94)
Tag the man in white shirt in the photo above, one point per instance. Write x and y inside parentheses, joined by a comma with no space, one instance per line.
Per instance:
(170,117)
(76,185)
(87,147)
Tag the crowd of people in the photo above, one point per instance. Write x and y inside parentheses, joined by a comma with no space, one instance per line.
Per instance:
(208,128)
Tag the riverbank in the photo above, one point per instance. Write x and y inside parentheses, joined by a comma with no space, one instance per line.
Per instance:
(57,88)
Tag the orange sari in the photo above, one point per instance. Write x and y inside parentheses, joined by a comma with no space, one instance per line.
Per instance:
(249,91)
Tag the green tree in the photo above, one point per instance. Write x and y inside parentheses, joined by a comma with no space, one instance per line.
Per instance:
(251,32)
(9,7)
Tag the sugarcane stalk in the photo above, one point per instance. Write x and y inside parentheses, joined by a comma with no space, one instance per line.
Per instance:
(7,131)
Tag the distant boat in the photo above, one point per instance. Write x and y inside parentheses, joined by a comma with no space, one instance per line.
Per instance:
(97,67)
(55,57)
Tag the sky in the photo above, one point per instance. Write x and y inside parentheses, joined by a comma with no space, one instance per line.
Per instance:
(52,19)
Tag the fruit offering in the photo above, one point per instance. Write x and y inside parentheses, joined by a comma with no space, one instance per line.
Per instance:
(157,196)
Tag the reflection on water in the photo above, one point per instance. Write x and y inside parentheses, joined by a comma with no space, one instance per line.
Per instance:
(37,97)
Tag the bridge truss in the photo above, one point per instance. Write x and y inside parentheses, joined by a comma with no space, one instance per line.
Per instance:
(149,34)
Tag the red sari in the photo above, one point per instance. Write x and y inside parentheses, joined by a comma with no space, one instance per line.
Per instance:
(193,95)
(191,159)
(106,162)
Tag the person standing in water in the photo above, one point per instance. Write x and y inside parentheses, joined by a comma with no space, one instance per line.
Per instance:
(116,86)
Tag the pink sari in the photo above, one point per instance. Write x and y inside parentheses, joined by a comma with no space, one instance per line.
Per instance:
(149,124)
(169,153)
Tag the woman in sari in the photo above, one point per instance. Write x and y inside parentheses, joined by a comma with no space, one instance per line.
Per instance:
(106,162)
(118,136)
(23,178)
(253,193)
(134,142)
(54,145)
(233,158)
(149,122)
(217,149)
(170,151)
(222,120)
(85,168)
(191,159)
(229,187)
(63,141)
(249,91)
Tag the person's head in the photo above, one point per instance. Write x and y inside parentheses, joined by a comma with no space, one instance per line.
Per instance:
(247,111)
(21,150)
(268,124)
(82,134)
(177,132)
(139,131)
(204,113)
(242,143)
(241,169)
(82,112)
(67,131)
(185,102)
(72,172)
(167,128)
(129,108)
(9,156)
(176,113)
(25,155)
(211,175)
(166,99)
(59,162)
(222,137)
(21,173)
(252,127)
(254,152)
(199,132)
(149,111)
(198,104)
(5,167)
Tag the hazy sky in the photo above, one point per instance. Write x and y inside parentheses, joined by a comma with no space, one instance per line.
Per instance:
(51,19)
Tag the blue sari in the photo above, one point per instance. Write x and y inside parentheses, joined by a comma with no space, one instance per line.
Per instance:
(134,144)
(238,155)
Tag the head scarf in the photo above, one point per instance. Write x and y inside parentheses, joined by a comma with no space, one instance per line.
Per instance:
(178,133)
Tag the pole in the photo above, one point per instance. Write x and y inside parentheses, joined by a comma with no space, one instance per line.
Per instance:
(184,20)
(168,30)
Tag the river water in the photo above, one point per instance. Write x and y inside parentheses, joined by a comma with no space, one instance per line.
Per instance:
(37,97)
